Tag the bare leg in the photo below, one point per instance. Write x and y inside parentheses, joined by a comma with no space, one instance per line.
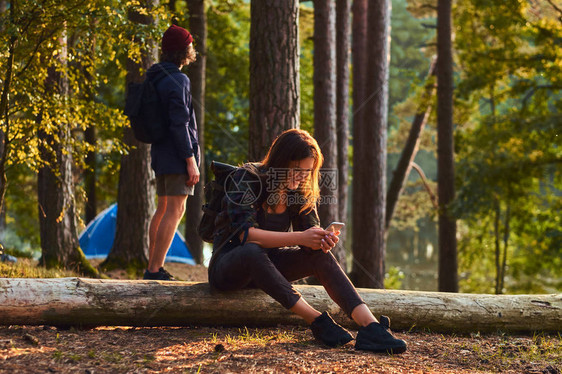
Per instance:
(154,223)
(304,310)
(175,208)
(362,315)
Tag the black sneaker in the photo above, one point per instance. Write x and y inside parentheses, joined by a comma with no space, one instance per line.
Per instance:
(161,274)
(166,274)
(326,330)
(377,337)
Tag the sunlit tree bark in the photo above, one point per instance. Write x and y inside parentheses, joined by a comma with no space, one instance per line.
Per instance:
(369,154)
(198,28)
(136,195)
(55,185)
(343,45)
(274,72)
(325,111)
(448,278)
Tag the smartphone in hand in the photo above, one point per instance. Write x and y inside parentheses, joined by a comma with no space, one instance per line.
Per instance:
(335,226)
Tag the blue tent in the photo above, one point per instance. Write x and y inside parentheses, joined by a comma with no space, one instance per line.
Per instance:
(97,239)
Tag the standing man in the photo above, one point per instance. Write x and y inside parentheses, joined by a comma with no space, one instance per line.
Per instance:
(175,160)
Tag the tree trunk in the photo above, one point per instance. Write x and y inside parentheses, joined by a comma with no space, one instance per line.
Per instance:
(505,244)
(497,248)
(370,155)
(448,278)
(404,166)
(90,174)
(2,219)
(500,256)
(55,185)
(325,112)
(359,58)
(274,72)
(135,195)
(92,302)
(4,118)
(343,25)
(90,136)
(198,27)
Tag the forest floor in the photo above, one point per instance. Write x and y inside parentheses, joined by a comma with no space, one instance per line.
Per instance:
(283,349)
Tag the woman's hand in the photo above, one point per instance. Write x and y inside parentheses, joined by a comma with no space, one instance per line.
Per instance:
(313,237)
(317,238)
(330,241)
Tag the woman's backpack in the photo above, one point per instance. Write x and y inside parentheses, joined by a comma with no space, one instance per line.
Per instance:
(214,194)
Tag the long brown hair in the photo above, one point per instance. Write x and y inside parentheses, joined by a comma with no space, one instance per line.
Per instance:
(295,145)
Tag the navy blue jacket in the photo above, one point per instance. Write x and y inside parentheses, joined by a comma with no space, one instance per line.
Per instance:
(168,156)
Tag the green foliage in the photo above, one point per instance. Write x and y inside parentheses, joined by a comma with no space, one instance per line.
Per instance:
(42,42)
(393,278)
(306,61)
(509,148)
(507,105)
(21,210)
(227,82)
(85,44)
(408,73)
(409,60)
(415,203)
(9,248)
(411,52)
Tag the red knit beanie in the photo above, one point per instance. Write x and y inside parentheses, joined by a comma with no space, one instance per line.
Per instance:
(176,39)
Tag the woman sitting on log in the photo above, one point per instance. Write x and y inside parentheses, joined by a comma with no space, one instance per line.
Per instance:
(254,245)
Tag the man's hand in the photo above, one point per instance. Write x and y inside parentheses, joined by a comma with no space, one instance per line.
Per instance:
(192,171)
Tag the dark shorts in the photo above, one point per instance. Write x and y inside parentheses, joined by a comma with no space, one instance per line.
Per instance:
(173,185)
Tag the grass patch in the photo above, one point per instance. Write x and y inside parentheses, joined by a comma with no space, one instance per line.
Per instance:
(258,336)
(113,357)
(214,338)
(27,268)
(57,355)
(74,357)
(510,350)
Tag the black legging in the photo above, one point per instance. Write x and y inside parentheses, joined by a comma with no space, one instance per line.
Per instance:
(272,270)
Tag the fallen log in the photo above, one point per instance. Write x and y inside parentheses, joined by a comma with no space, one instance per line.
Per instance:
(93,302)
